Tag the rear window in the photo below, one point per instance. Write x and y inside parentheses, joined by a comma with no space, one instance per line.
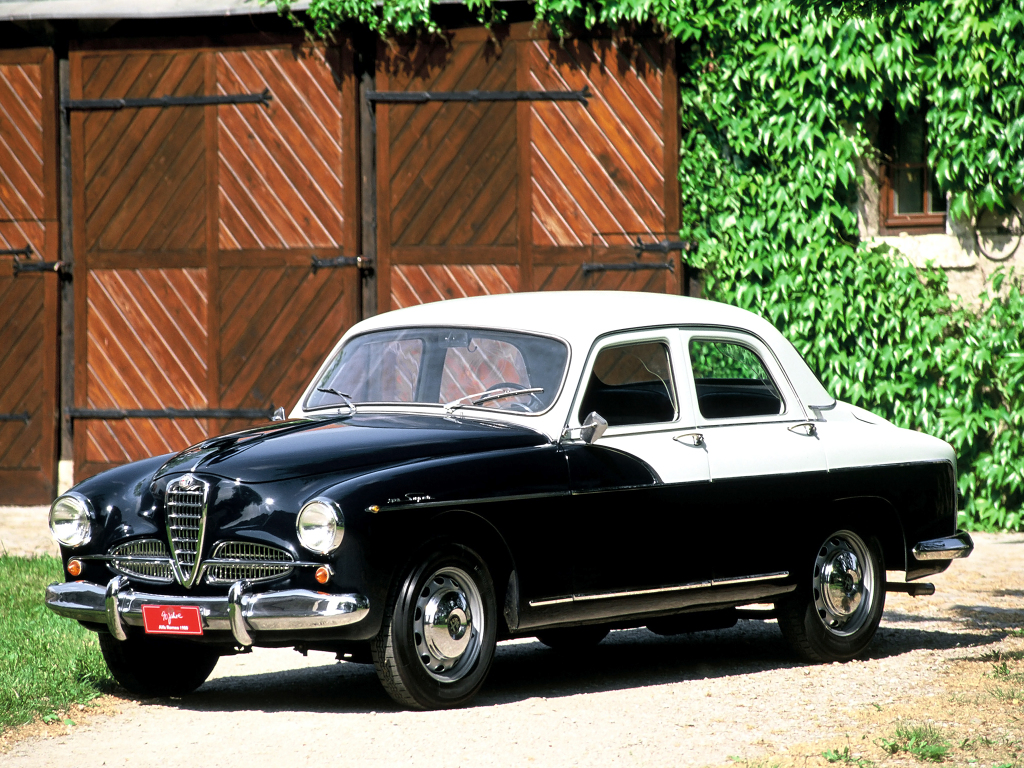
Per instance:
(732,381)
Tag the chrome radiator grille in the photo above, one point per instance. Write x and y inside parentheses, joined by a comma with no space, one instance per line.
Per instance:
(185,505)
(155,572)
(226,573)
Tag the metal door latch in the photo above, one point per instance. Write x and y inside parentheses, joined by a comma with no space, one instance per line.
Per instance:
(695,439)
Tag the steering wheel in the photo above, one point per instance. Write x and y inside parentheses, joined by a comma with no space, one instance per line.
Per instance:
(516,385)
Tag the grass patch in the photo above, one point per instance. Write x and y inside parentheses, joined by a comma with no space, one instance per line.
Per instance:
(47,663)
(846,757)
(922,741)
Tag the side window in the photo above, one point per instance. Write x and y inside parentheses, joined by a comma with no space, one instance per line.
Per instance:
(731,381)
(631,384)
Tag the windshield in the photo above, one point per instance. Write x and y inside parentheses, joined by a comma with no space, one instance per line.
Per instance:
(454,366)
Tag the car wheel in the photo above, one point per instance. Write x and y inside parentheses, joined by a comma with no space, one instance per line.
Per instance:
(437,640)
(157,666)
(572,638)
(833,614)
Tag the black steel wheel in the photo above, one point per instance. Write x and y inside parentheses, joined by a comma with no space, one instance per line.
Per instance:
(437,640)
(833,615)
(158,666)
(572,638)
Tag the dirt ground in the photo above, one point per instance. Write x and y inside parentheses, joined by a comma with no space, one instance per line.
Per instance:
(952,661)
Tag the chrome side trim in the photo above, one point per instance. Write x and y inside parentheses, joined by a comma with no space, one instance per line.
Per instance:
(946,548)
(662,590)
(112,607)
(283,610)
(236,609)
(553,601)
(744,579)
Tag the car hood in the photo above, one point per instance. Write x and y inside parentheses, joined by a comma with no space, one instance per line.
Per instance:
(303,447)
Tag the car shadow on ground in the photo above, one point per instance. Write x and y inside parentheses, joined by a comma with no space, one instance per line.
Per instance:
(523,670)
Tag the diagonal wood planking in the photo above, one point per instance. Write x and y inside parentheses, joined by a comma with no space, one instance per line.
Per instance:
(422,283)
(146,349)
(21,368)
(277,325)
(598,168)
(280,168)
(453,167)
(144,168)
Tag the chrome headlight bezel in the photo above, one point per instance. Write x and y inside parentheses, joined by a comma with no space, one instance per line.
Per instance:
(330,525)
(79,516)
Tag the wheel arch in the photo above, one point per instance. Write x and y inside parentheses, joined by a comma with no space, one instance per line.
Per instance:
(876,516)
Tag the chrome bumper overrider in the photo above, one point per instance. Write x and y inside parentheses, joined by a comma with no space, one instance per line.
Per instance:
(946,548)
(240,612)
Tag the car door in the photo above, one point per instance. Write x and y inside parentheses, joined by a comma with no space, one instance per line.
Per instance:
(635,491)
(765,456)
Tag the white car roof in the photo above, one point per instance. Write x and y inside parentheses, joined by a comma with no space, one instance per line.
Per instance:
(580,317)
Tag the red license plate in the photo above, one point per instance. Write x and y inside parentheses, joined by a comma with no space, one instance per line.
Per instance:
(172,620)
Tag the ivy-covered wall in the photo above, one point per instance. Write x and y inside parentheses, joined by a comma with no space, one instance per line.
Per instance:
(776,100)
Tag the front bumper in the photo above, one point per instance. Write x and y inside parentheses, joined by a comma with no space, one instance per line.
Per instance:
(946,548)
(241,612)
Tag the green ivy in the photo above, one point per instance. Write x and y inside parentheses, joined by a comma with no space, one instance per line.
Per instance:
(776,98)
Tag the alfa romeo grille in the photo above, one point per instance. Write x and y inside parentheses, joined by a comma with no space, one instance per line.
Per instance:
(253,571)
(185,505)
(157,573)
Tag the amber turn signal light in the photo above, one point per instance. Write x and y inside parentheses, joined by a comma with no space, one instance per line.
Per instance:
(323,573)
(75,566)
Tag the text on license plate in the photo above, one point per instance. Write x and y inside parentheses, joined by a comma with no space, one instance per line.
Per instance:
(172,620)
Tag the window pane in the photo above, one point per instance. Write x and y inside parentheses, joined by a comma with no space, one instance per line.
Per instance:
(909,190)
(439,365)
(936,199)
(374,371)
(481,365)
(732,381)
(910,146)
(631,384)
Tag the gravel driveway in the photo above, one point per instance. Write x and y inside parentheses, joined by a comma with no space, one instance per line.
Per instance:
(637,699)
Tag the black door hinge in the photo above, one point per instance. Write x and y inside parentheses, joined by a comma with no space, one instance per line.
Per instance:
(15,417)
(365,265)
(628,266)
(91,105)
(62,268)
(421,97)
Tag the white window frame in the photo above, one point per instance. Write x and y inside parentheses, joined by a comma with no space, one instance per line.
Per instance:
(793,409)
(684,409)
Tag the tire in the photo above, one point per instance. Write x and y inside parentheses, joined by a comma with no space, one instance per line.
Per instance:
(838,603)
(572,638)
(157,666)
(437,639)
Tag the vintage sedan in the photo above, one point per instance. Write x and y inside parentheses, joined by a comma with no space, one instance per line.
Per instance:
(552,465)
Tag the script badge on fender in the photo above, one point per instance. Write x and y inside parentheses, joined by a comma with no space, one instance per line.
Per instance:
(172,620)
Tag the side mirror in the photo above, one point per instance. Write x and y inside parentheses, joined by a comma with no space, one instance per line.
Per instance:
(593,427)
(279,415)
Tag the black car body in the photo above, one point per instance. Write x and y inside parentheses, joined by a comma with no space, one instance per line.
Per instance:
(629,460)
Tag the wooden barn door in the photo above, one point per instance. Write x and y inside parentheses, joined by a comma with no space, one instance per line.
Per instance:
(489,196)
(604,175)
(28,299)
(448,223)
(195,226)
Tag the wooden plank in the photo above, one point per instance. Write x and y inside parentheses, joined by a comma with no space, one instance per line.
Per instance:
(670,97)
(145,259)
(454,254)
(524,181)
(213,270)
(383,269)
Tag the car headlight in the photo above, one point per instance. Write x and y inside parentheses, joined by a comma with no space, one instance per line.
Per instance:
(320,526)
(71,519)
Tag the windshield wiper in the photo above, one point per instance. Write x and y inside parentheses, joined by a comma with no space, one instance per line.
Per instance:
(488,395)
(347,398)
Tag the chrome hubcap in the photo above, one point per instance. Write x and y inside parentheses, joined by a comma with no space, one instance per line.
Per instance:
(843,583)
(447,624)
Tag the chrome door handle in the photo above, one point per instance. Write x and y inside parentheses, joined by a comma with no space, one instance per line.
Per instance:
(695,439)
(805,428)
